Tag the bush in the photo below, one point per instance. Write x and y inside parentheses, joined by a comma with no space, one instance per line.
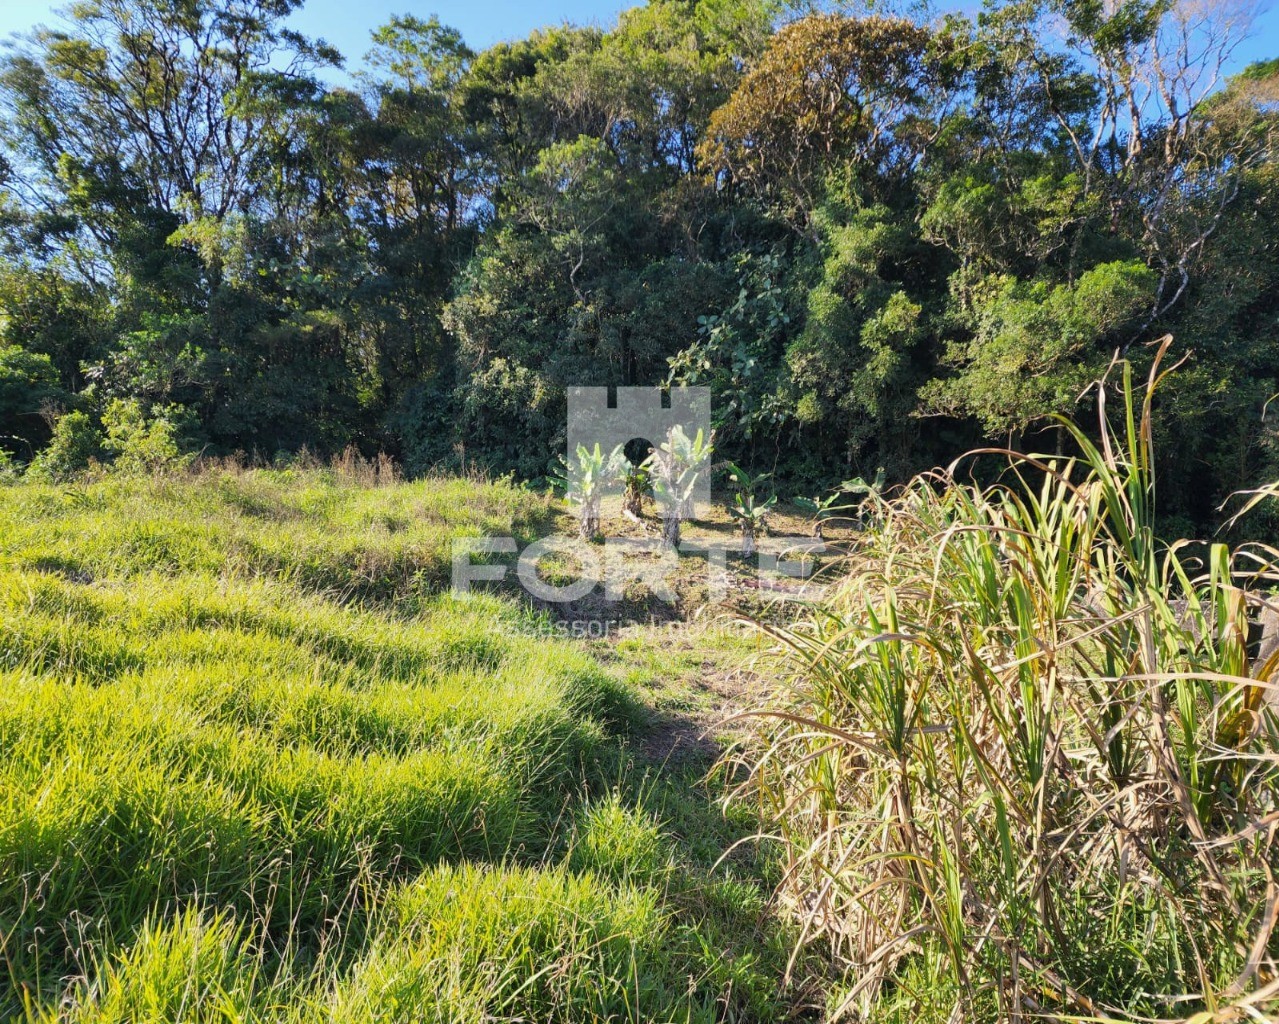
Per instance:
(1027,764)
(76,442)
(28,384)
(142,446)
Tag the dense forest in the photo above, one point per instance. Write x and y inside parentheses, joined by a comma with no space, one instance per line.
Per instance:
(881,237)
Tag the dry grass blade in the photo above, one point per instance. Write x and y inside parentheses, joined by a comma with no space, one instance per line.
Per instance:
(1022,764)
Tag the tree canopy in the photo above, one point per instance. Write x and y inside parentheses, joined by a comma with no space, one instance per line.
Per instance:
(879,239)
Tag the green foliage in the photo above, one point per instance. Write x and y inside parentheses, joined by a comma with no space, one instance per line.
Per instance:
(676,467)
(737,353)
(76,442)
(749,508)
(594,473)
(834,505)
(265,765)
(29,388)
(162,361)
(999,666)
(878,242)
(1035,347)
(145,444)
(50,310)
(823,507)
(618,841)
(854,361)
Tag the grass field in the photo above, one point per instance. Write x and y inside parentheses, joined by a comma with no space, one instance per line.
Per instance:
(259,764)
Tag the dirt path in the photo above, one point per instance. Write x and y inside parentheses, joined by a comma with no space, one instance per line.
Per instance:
(695,678)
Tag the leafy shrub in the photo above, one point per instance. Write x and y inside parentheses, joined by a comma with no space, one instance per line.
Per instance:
(141,445)
(748,508)
(596,471)
(75,443)
(675,467)
(28,383)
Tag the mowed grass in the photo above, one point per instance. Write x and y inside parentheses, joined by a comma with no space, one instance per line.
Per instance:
(259,764)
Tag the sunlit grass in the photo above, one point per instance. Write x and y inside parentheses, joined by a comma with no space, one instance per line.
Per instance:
(1024,765)
(260,764)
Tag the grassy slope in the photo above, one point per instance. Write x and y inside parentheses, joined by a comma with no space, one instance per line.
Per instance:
(257,764)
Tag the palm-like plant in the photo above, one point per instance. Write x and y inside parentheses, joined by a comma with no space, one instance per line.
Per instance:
(748,509)
(826,508)
(637,485)
(595,471)
(823,508)
(868,493)
(675,468)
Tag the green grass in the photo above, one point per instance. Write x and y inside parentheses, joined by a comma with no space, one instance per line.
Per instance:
(258,764)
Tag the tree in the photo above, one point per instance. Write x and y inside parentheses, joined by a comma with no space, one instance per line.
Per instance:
(828,90)
(158,132)
(157,104)
(1036,346)
(1153,147)
(29,389)
(878,241)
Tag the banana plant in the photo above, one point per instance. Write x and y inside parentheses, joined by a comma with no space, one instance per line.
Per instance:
(750,512)
(870,493)
(595,471)
(637,485)
(832,506)
(823,509)
(675,468)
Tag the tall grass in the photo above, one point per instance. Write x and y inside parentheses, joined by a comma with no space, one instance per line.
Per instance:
(1024,765)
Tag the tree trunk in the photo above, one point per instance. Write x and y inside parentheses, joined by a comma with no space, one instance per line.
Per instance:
(670,530)
(588,523)
(633,500)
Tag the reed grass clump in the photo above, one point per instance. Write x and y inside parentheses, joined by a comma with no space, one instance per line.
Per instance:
(1024,763)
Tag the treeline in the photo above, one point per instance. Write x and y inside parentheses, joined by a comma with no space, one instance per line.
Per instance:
(879,239)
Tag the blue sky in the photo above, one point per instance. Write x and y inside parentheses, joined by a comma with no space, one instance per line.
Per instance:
(347,23)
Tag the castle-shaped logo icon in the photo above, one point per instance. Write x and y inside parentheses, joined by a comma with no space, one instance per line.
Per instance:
(639,414)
